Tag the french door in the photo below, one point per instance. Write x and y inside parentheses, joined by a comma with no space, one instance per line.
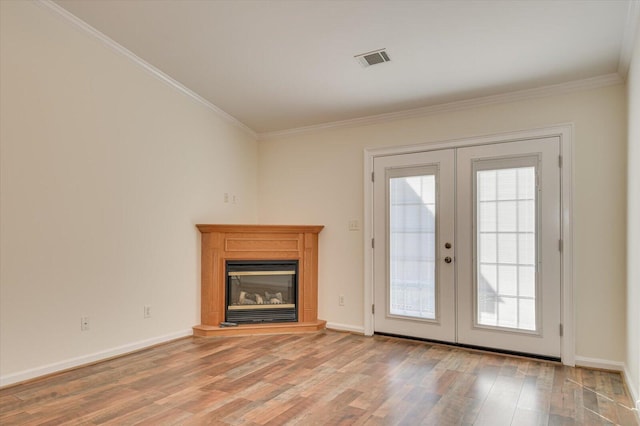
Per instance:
(467,245)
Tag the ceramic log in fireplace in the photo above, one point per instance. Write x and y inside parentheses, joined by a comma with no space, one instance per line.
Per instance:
(238,283)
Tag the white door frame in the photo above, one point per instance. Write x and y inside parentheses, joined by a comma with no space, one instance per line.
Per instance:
(565,133)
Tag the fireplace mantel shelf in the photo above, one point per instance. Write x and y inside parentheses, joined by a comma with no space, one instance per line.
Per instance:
(258,242)
(261,229)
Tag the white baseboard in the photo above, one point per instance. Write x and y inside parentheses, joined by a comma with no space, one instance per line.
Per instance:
(603,364)
(634,393)
(57,367)
(345,327)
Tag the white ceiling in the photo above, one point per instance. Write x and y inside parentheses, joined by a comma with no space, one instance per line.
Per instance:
(285,64)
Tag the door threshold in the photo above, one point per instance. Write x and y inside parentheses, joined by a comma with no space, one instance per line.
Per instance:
(477,348)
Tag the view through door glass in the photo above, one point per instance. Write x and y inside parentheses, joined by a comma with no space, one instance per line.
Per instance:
(506,247)
(412,222)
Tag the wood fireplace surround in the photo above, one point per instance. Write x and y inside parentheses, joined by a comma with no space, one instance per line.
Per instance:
(257,242)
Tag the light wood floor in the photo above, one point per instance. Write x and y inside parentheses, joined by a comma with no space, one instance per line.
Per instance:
(325,378)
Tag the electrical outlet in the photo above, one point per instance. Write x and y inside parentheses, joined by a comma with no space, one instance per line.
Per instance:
(84,323)
(341,300)
(354,225)
(147,311)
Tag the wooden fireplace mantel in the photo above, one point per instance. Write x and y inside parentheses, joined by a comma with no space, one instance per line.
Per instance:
(257,242)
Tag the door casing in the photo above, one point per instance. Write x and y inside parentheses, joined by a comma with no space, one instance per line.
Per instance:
(565,134)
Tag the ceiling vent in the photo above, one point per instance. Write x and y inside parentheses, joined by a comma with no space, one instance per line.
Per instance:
(379,56)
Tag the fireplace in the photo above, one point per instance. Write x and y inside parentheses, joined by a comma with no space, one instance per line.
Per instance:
(261,291)
(261,259)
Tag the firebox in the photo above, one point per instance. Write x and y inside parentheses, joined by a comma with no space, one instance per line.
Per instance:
(262,291)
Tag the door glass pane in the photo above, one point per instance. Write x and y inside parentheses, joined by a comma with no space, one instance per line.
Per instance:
(506,248)
(412,246)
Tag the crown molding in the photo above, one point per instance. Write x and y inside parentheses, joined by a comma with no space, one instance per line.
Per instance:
(539,92)
(629,38)
(113,45)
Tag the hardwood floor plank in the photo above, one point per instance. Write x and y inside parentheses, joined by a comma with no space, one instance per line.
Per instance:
(202,401)
(527,417)
(324,378)
(531,398)
(171,416)
(501,402)
(419,405)
(294,414)
(453,410)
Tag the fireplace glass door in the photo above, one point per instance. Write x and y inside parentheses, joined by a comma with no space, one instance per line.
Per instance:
(261,291)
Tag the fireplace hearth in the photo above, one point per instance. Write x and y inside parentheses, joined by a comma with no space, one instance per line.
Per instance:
(261,291)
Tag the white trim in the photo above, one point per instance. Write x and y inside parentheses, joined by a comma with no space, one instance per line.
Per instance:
(601,364)
(566,223)
(633,393)
(520,95)
(345,327)
(60,366)
(367,237)
(118,48)
(565,132)
(629,38)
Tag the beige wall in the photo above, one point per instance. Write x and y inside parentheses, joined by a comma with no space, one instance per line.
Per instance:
(105,170)
(318,178)
(633,224)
